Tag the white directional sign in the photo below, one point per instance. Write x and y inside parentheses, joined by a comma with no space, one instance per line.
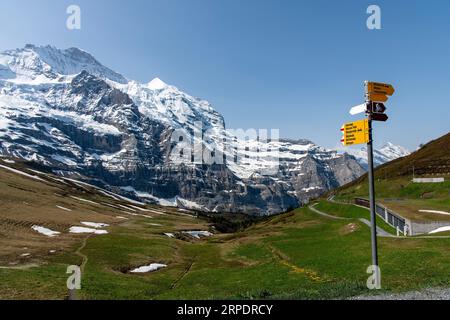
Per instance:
(358,109)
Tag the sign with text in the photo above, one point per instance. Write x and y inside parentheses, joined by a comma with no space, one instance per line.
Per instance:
(380,88)
(376,97)
(356,132)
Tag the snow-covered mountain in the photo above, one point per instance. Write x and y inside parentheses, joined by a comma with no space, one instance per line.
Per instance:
(34,64)
(385,154)
(65,110)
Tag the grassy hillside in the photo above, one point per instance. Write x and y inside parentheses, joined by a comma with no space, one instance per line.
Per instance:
(296,255)
(351,211)
(431,159)
(395,189)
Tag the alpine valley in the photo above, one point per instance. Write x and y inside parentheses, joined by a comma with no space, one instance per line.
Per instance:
(77,118)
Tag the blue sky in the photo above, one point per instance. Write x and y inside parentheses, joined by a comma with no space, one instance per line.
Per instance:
(294,65)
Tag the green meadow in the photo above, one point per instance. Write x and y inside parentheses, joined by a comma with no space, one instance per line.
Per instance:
(297,255)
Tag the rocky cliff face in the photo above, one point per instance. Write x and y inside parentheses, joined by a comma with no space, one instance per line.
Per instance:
(151,141)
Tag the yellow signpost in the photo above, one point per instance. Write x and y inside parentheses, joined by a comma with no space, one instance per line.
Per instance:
(360,132)
(355,132)
(377,97)
(380,88)
(378,92)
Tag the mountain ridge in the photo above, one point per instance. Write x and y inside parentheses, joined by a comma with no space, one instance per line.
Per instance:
(388,152)
(137,138)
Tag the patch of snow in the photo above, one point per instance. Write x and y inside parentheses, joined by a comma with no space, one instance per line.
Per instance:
(86,230)
(86,122)
(64,160)
(173,202)
(191,205)
(156,84)
(45,231)
(167,202)
(198,234)
(145,195)
(139,208)
(36,65)
(95,225)
(170,235)
(62,208)
(435,211)
(84,200)
(386,153)
(442,229)
(311,188)
(8,161)
(392,151)
(150,268)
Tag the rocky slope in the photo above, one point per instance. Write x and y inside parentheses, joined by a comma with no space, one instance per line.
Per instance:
(65,110)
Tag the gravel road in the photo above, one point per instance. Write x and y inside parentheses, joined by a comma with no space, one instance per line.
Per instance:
(428,294)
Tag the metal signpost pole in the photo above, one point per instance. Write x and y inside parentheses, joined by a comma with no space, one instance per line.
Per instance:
(373,215)
(361,132)
(372,198)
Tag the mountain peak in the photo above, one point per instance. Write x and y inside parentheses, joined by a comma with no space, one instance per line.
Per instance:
(386,153)
(389,144)
(156,84)
(395,150)
(33,60)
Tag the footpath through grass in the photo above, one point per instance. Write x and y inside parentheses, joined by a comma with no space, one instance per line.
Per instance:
(352,211)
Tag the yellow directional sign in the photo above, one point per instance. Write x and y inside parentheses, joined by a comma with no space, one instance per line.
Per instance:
(355,132)
(380,88)
(376,97)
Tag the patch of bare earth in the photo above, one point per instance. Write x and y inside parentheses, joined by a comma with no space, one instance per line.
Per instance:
(349,228)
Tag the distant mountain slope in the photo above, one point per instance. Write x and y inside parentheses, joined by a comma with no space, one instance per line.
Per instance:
(383,155)
(432,158)
(65,110)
